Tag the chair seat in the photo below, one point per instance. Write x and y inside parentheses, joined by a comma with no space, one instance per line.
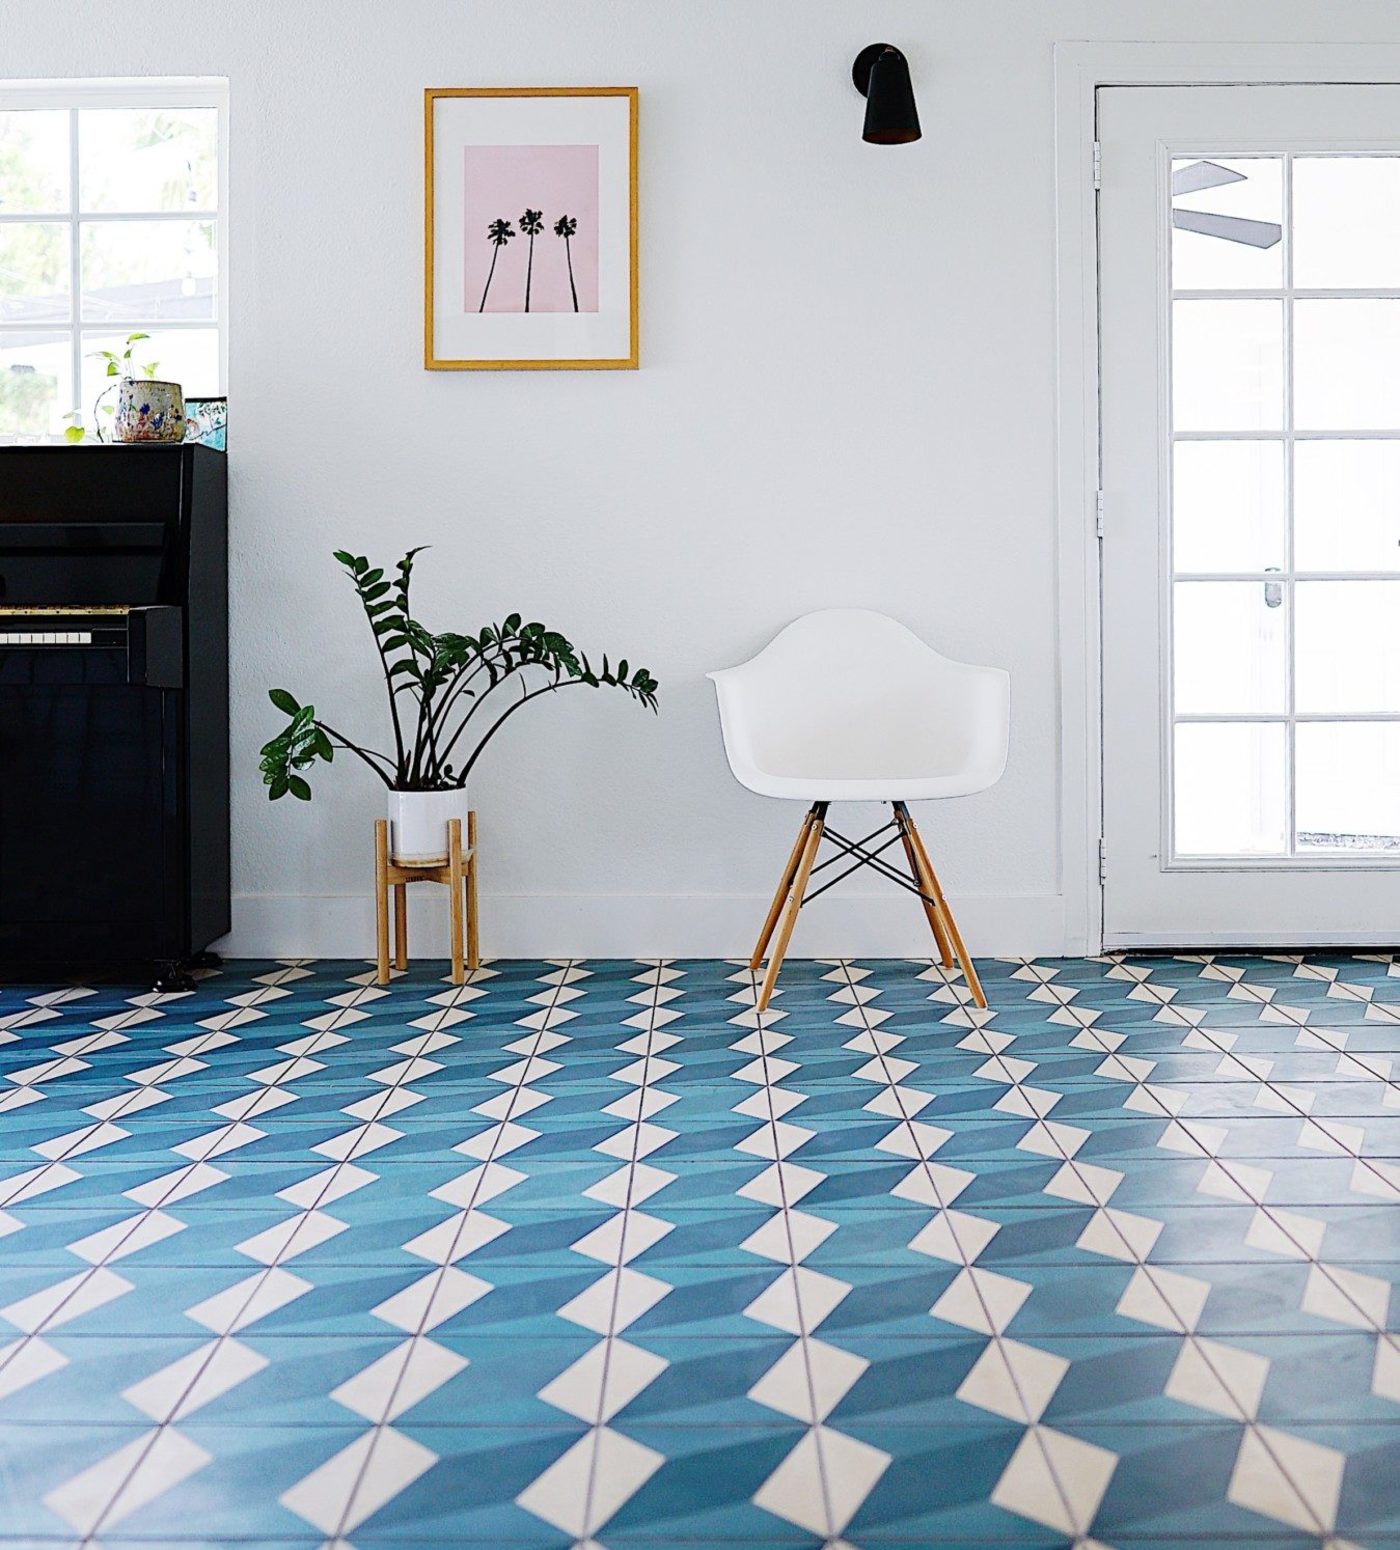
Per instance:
(817,788)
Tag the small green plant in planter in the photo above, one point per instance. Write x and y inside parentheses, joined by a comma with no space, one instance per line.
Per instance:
(448,696)
(118,366)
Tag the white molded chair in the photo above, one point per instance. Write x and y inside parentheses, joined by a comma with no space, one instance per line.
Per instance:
(847,705)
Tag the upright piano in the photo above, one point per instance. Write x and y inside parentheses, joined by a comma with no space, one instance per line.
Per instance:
(114,832)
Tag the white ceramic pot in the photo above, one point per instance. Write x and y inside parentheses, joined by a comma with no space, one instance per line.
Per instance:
(418,825)
(149,411)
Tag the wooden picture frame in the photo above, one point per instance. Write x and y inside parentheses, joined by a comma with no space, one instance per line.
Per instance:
(542,306)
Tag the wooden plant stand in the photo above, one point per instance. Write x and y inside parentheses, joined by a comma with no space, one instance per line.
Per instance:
(458,872)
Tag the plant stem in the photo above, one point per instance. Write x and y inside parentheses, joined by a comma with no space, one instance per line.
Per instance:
(476,706)
(401,770)
(550,688)
(367,754)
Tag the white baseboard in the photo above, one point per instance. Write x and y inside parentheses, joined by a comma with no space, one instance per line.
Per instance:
(642,926)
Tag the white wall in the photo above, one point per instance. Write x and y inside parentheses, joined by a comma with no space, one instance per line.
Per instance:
(846,396)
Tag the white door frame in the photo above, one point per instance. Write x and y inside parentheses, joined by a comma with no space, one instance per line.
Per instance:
(1080,69)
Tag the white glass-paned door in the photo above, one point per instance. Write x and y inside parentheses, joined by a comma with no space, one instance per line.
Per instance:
(1250,348)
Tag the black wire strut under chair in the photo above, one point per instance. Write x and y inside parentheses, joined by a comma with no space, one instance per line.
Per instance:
(793,892)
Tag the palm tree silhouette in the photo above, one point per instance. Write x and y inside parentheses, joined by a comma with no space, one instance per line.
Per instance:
(499,232)
(565,227)
(531,225)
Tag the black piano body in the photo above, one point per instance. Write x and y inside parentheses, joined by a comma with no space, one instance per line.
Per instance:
(114,821)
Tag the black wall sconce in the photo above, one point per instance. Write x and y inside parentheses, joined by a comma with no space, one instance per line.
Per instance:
(881,74)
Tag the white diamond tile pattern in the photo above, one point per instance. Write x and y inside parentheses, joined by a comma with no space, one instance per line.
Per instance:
(822,1482)
(1137,1215)
(598,1474)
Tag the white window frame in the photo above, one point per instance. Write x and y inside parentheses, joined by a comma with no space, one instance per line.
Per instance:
(1081,68)
(133,92)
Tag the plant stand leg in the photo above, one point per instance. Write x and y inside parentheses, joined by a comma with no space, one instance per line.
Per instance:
(381,897)
(794,902)
(400,925)
(784,888)
(929,882)
(940,935)
(473,940)
(456,894)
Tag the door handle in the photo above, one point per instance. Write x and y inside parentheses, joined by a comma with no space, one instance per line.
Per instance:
(1273,591)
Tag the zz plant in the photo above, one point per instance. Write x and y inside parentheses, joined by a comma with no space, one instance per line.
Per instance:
(449,694)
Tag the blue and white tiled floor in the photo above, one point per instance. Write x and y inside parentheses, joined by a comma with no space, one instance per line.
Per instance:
(591,1255)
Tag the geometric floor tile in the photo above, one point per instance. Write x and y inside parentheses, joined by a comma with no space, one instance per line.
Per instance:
(593,1254)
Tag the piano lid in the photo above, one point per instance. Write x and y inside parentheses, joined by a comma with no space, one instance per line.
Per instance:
(83,527)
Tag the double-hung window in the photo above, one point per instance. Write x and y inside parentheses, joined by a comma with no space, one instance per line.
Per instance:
(112,217)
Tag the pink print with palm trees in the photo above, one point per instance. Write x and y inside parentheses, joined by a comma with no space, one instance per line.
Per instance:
(531,228)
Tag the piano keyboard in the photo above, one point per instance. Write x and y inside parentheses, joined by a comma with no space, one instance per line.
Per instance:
(45,637)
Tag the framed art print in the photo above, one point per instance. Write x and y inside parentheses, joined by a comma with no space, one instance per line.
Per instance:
(530,228)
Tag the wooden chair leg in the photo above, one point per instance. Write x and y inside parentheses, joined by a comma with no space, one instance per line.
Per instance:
(381,897)
(400,926)
(793,906)
(473,938)
(931,885)
(940,935)
(784,888)
(456,891)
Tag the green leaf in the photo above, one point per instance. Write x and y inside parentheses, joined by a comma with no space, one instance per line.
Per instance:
(132,338)
(113,370)
(345,557)
(74,433)
(283,701)
(277,788)
(298,787)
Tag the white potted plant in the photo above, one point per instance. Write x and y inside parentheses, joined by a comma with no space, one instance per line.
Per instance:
(146,408)
(444,707)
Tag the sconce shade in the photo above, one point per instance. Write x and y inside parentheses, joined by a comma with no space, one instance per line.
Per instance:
(881,74)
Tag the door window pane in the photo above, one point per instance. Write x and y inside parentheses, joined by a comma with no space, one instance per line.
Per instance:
(33,272)
(1227,505)
(148,270)
(35,386)
(1227,365)
(1346,505)
(1322,497)
(1348,777)
(1346,365)
(1226,223)
(1229,789)
(1228,647)
(148,158)
(1347,646)
(1346,222)
(33,161)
